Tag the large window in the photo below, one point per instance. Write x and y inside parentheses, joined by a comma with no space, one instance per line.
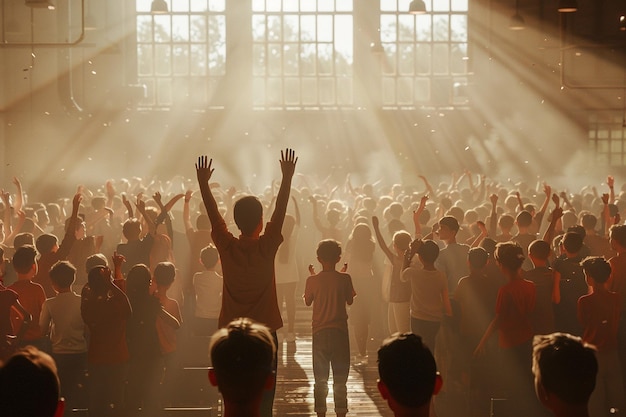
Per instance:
(302,53)
(181,54)
(426,55)
(607,139)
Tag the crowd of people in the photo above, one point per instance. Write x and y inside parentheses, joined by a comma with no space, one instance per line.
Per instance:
(464,261)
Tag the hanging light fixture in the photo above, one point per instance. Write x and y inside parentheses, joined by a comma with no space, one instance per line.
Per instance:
(159,6)
(517,21)
(41,4)
(622,23)
(417,7)
(568,6)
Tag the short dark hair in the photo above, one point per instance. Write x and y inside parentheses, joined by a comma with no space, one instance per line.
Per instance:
(164,273)
(510,255)
(597,268)
(209,256)
(63,274)
(450,222)
(506,221)
(248,213)
(524,218)
(589,221)
(540,249)
(477,258)
(572,242)
(97,259)
(29,384)
(617,232)
(23,239)
(203,222)
(429,251)
(131,229)
(242,355)
(402,239)
(407,368)
(24,259)
(489,245)
(328,250)
(566,366)
(45,243)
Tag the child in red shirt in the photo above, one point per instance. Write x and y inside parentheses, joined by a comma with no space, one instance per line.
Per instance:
(331,291)
(599,314)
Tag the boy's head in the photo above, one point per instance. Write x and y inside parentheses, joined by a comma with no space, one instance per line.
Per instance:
(596,268)
(24,260)
(408,372)
(506,222)
(589,221)
(477,258)
(242,355)
(509,255)
(131,229)
(428,252)
(539,250)
(99,278)
(209,256)
(572,242)
(97,259)
(248,214)
(524,219)
(29,385)
(448,228)
(46,243)
(565,367)
(23,239)
(617,235)
(401,240)
(329,251)
(62,275)
(203,222)
(164,274)
(489,245)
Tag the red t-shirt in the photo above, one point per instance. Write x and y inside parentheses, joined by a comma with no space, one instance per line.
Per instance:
(514,307)
(7,299)
(249,281)
(106,316)
(599,313)
(31,297)
(329,291)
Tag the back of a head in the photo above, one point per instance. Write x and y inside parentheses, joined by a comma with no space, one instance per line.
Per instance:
(428,251)
(402,239)
(577,228)
(209,256)
(589,221)
(242,355)
(63,274)
(540,249)
(572,242)
(489,245)
(524,219)
(23,239)
(329,250)
(458,213)
(24,259)
(138,282)
(164,273)
(131,229)
(29,385)
(506,222)
(97,259)
(477,258)
(408,369)
(45,243)
(248,214)
(565,366)
(597,268)
(618,234)
(396,210)
(450,222)
(203,222)
(510,255)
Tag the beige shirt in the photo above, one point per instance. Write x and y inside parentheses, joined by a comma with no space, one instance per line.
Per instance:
(61,315)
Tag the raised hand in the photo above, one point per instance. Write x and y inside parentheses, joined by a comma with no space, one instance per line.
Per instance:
(288,160)
(78,197)
(141,205)
(610,181)
(605,198)
(547,190)
(482,227)
(375,222)
(6,198)
(494,199)
(188,195)
(118,260)
(557,213)
(157,198)
(556,199)
(204,169)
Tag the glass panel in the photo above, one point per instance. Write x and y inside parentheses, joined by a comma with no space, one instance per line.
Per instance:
(343,37)
(290,5)
(458,64)
(198,91)
(292,91)
(616,133)
(198,60)
(181,60)
(164,91)
(258,60)
(290,60)
(273,5)
(258,5)
(308,61)
(307,28)
(325,59)
(440,6)
(603,146)
(344,91)
(458,25)
(616,160)
(180,28)
(404,91)
(343,5)
(423,28)
(162,28)
(309,91)
(217,5)
(274,91)
(258,91)
(163,59)
(198,5)
(603,134)
(440,59)
(144,60)
(389,91)
(459,5)
(406,60)
(275,57)
(325,5)
(180,90)
(616,146)
(407,28)
(144,28)
(388,5)
(422,89)
(150,96)
(324,28)
(327,91)
(258,28)
(388,27)
(441,28)
(274,29)
(307,6)
(389,65)
(198,28)
(179,6)
(423,58)
(291,28)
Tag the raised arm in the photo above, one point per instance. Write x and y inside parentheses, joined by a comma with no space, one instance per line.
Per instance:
(8,214)
(557,213)
(19,195)
(288,160)
(493,219)
(520,203)
(429,188)
(141,208)
(70,234)
(380,239)
(416,216)
(610,181)
(542,211)
(187,213)
(204,171)
(129,207)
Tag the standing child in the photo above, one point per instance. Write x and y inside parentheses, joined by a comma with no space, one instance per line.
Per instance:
(546,286)
(164,275)
(331,291)
(248,260)
(208,289)
(429,291)
(599,314)
(61,318)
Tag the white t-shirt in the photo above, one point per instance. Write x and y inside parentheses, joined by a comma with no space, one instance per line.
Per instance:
(208,286)
(61,314)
